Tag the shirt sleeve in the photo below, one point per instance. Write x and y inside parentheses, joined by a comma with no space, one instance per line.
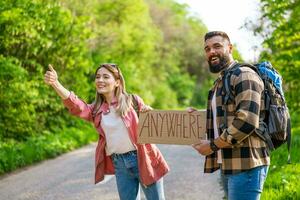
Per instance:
(78,107)
(248,88)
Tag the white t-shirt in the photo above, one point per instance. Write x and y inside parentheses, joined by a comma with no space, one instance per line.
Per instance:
(214,110)
(117,136)
(216,131)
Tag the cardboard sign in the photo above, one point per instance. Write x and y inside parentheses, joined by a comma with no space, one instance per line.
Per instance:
(171,127)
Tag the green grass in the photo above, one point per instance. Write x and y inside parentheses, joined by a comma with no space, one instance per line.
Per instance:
(14,155)
(283,181)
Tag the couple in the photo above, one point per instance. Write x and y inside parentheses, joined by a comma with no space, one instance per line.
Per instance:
(241,155)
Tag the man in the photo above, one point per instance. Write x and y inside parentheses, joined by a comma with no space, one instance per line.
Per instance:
(232,143)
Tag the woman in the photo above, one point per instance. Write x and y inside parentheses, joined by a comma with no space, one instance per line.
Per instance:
(116,121)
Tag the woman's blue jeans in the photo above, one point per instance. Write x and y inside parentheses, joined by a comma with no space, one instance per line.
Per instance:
(246,185)
(128,179)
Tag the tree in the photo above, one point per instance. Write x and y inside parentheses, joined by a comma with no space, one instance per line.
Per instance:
(34,34)
(280,28)
(181,51)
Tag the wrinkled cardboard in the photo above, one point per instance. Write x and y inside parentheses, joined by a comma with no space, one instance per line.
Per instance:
(172,127)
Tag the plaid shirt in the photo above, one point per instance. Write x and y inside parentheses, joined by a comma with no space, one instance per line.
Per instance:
(243,115)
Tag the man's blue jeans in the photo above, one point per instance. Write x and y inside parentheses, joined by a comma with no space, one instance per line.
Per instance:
(246,185)
(128,179)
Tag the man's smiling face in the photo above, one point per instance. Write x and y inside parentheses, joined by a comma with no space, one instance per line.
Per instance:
(217,50)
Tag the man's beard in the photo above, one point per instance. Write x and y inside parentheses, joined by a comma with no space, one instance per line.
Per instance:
(223,63)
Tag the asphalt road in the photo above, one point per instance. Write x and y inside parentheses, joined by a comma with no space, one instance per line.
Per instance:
(70,177)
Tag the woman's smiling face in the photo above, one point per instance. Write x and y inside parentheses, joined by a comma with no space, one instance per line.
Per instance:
(105,81)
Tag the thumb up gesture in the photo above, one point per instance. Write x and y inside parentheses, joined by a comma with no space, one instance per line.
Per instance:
(51,76)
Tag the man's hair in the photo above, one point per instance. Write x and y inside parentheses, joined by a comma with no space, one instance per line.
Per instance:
(216,33)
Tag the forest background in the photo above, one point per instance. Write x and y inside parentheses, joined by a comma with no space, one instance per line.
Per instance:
(159,47)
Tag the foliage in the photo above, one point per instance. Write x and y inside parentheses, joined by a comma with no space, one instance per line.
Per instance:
(280,29)
(236,54)
(181,54)
(131,44)
(14,81)
(282,180)
(14,154)
(138,37)
(33,34)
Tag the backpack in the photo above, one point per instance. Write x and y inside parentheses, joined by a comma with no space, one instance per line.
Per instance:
(275,129)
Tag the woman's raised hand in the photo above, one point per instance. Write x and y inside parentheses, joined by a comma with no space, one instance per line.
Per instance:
(51,77)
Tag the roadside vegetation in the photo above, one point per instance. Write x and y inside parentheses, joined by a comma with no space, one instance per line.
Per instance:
(159,47)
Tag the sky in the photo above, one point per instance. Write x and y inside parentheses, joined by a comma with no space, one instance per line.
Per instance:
(229,16)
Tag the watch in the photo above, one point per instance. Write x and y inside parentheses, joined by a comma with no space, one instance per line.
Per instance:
(213,146)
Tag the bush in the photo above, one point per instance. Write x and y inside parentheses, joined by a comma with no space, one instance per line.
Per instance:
(14,154)
(34,34)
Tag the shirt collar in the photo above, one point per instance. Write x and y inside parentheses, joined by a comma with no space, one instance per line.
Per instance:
(114,101)
(232,64)
(105,107)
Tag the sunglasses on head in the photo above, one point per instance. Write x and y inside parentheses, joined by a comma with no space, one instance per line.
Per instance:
(109,64)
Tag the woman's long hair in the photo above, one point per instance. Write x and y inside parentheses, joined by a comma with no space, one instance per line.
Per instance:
(124,100)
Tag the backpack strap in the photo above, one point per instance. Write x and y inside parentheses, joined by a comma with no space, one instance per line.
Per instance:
(226,80)
(226,85)
(228,92)
(135,104)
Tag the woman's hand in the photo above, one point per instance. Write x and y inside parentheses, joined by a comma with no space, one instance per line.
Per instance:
(146,108)
(51,77)
(191,109)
